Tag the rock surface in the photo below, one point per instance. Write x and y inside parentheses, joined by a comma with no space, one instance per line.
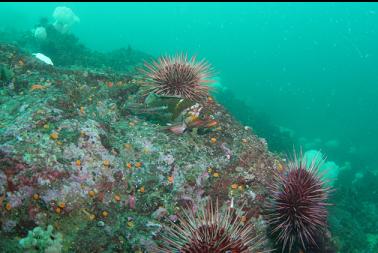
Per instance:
(74,156)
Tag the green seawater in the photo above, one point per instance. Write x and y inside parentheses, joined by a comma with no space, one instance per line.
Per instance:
(299,74)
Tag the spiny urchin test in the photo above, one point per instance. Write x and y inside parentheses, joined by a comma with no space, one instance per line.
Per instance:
(209,230)
(178,76)
(298,206)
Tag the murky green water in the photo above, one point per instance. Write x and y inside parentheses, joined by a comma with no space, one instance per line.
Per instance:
(302,74)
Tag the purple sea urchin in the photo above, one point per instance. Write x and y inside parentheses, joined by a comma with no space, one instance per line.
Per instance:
(297,211)
(178,76)
(209,230)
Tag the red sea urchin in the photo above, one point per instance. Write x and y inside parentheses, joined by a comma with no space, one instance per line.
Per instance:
(209,230)
(178,76)
(297,212)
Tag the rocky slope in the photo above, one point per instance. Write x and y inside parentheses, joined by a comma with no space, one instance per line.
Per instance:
(79,150)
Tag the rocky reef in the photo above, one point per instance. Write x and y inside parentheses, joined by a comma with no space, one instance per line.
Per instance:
(82,153)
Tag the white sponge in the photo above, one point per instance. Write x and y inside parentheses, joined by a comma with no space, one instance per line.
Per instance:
(64,19)
(40,33)
(329,169)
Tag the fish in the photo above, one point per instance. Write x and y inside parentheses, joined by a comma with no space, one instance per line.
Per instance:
(178,129)
(211,123)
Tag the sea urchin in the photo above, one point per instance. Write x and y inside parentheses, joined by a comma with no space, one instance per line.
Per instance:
(298,206)
(178,76)
(209,230)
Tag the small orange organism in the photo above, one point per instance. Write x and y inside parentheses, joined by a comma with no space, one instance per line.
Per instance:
(142,190)
(58,210)
(216,174)
(91,194)
(213,140)
(8,206)
(129,165)
(138,164)
(78,163)
(37,87)
(106,163)
(117,198)
(54,135)
(234,186)
(36,196)
(62,205)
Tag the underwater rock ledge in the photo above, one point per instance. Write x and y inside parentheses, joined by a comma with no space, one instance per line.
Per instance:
(77,157)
